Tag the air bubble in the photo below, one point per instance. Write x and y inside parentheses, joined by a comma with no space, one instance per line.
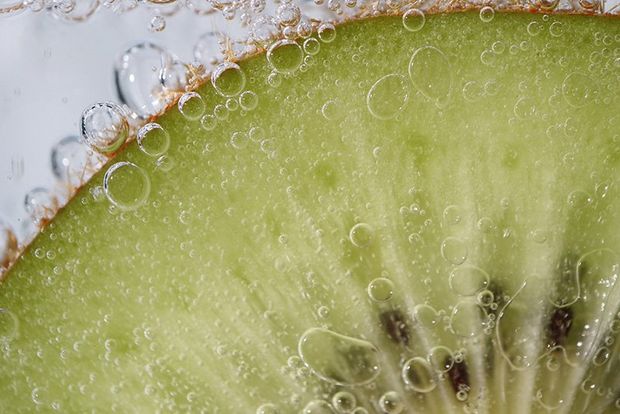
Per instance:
(467,319)
(38,204)
(556,29)
(577,89)
(337,358)
(157,24)
(288,14)
(430,73)
(164,163)
(391,403)
(153,140)
(139,76)
(208,122)
(380,289)
(239,140)
(192,106)
(318,407)
(487,14)
(413,20)
(104,127)
(285,56)
(70,158)
(126,185)
(388,96)
(312,46)
(327,32)
(344,402)
(441,359)
(468,280)
(361,234)
(454,250)
(228,79)
(534,28)
(332,110)
(418,374)
(248,100)
(267,409)
(579,199)
(485,298)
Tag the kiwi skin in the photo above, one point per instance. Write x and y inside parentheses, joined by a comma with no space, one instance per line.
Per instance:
(197,317)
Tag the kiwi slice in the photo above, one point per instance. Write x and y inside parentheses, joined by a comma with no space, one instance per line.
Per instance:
(406,216)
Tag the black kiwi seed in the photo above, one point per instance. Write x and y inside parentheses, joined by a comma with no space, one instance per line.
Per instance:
(395,326)
(559,325)
(458,375)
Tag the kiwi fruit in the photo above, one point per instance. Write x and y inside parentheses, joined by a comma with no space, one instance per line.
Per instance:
(411,214)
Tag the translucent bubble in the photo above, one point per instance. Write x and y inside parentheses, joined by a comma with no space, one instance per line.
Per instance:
(157,24)
(380,289)
(468,280)
(454,250)
(487,14)
(312,46)
(556,29)
(126,185)
(274,79)
(418,374)
(153,140)
(228,79)
(441,359)
(104,127)
(467,319)
(248,100)
(601,356)
(288,14)
(220,112)
(239,140)
(38,203)
(534,28)
(486,225)
(485,298)
(285,56)
(361,234)
(577,89)
(332,110)
(139,74)
(327,32)
(208,122)
(323,312)
(69,158)
(208,49)
(267,409)
(431,74)
(344,402)
(391,403)
(164,163)
(257,134)
(318,407)
(426,315)
(337,358)
(388,96)
(192,106)
(413,20)
(452,215)
(264,29)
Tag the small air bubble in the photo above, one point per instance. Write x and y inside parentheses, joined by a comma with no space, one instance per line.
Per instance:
(285,56)
(418,374)
(104,127)
(361,234)
(327,32)
(454,250)
(228,79)
(413,20)
(248,100)
(208,122)
(487,14)
(157,24)
(192,106)
(126,185)
(391,403)
(380,289)
(153,140)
